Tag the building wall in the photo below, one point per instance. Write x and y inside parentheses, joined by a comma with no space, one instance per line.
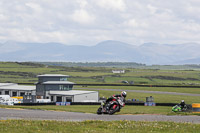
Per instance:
(39,90)
(64,98)
(54,97)
(90,97)
(42,90)
(17,92)
(51,87)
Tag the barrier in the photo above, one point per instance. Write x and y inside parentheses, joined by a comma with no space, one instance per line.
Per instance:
(196,107)
(98,103)
(34,104)
(135,103)
(63,103)
(149,104)
(85,103)
(166,104)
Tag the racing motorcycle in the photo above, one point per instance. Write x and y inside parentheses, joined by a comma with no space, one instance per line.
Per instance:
(111,107)
(177,108)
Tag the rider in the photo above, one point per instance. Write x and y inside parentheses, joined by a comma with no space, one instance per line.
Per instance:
(182,104)
(122,95)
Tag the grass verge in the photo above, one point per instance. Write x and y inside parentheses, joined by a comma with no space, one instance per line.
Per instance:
(27,126)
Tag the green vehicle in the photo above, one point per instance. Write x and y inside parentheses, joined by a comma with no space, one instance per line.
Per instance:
(176,108)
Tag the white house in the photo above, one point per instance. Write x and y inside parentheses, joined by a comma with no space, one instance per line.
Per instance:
(118,71)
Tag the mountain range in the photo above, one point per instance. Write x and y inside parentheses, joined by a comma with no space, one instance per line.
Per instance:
(106,51)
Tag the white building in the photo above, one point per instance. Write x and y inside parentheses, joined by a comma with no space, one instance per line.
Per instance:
(13,89)
(118,71)
(74,96)
(50,86)
(58,89)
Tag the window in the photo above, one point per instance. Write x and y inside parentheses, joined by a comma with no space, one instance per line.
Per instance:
(51,98)
(0,92)
(28,97)
(6,92)
(14,93)
(68,99)
(22,93)
(58,99)
(65,87)
(61,87)
(63,79)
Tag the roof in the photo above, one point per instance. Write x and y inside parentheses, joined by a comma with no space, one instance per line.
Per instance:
(70,92)
(52,75)
(58,82)
(7,84)
(18,87)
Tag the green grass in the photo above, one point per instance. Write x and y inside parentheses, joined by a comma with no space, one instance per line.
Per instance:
(27,72)
(158,98)
(27,126)
(162,89)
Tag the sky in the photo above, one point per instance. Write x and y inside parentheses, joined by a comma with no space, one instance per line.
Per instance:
(88,22)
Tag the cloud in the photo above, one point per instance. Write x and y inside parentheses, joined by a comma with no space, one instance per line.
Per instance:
(88,22)
(34,6)
(112,4)
(82,17)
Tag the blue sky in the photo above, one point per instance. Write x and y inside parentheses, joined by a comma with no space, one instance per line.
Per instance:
(88,22)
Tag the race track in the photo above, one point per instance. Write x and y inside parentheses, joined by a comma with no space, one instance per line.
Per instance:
(27,114)
(142,91)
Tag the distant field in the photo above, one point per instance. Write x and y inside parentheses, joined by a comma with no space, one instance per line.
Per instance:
(158,98)
(24,126)
(27,73)
(161,89)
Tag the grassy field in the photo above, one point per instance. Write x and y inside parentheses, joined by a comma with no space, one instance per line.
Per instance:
(162,89)
(7,126)
(158,98)
(27,73)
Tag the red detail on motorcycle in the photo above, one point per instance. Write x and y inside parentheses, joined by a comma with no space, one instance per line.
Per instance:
(114,106)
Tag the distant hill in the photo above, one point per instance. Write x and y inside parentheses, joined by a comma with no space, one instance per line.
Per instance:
(106,51)
(94,64)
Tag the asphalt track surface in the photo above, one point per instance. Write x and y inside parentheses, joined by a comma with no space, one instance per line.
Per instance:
(142,91)
(27,114)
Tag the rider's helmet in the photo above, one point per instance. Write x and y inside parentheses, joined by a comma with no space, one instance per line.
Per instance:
(123,94)
(182,101)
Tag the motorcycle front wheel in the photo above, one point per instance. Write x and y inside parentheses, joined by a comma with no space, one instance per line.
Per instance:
(99,111)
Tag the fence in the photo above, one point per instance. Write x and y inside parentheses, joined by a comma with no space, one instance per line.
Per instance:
(94,103)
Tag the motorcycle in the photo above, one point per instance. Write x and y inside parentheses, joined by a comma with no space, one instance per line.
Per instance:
(177,108)
(111,107)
